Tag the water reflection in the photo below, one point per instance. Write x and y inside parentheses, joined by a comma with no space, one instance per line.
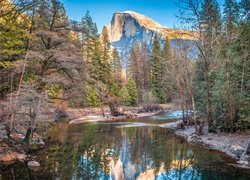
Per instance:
(108,151)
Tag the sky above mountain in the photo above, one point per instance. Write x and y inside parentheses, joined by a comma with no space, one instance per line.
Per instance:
(162,11)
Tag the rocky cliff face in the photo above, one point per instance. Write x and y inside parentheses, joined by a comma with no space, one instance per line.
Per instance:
(128,27)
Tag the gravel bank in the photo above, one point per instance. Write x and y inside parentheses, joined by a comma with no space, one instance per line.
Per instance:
(232,144)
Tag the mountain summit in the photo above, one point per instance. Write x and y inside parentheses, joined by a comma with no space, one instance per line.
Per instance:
(128,27)
(131,22)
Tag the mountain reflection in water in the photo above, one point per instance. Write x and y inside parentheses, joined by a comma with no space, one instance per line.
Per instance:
(109,151)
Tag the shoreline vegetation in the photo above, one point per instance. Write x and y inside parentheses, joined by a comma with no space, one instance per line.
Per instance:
(234,144)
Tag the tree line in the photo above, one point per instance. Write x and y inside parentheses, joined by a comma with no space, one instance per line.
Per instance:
(220,83)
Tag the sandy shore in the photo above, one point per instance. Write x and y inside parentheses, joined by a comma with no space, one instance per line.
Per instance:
(233,145)
(83,115)
(98,118)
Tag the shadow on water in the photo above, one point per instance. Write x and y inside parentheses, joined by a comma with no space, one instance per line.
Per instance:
(109,151)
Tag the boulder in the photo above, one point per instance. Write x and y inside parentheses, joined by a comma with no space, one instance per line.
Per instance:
(21,157)
(244,160)
(7,157)
(17,136)
(33,164)
(3,135)
(237,151)
(11,156)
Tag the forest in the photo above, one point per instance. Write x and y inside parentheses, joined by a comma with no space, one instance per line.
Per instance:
(50,63)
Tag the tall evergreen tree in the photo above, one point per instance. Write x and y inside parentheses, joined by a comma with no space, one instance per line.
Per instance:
(106,64)
(132,91)
(210,17)
(133,64)
(116,79)
(13,45)
(231,16)
(146,66)
(95,65)
(88,35)
(168,64)
(92,47)
(167,54)
(245,10)
(158,70)
(136,68)
(75,31)
(210,28)
(116,67)
(231,20)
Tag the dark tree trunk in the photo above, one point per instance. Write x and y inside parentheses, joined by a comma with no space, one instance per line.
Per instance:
(113,105)
(27,140)
(229,98)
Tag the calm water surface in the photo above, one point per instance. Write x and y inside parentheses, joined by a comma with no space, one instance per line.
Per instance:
(120,151)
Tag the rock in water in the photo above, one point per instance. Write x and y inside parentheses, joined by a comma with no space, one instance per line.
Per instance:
(33,164)
(128,27)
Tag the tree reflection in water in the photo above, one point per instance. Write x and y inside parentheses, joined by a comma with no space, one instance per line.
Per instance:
(108,151)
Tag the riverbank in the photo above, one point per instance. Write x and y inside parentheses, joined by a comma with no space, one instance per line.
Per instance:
(233,145)
(98,118)
(78,116)
(12,148)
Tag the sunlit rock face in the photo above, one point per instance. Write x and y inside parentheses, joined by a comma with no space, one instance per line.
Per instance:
(128,27)
(131,25)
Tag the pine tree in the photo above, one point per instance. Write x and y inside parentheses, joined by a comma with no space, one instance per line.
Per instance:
(106,64)
(92,96)
(115,89)
(116,67)
(125,97)
(88,35)
(92,47)
(13,45)
(168,63)
(231,19)
(245,10)
(132,91)
(146,66)
(136,68)
(210,17)
(167,55)
(231,16)
(210,26)
(75,31)
(96,69)
(12,40)
(133,64)
(158,71)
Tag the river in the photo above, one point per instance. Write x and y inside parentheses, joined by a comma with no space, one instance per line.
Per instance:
(123,150)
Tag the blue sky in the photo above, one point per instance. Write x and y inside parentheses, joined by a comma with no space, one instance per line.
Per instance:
(162,11)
